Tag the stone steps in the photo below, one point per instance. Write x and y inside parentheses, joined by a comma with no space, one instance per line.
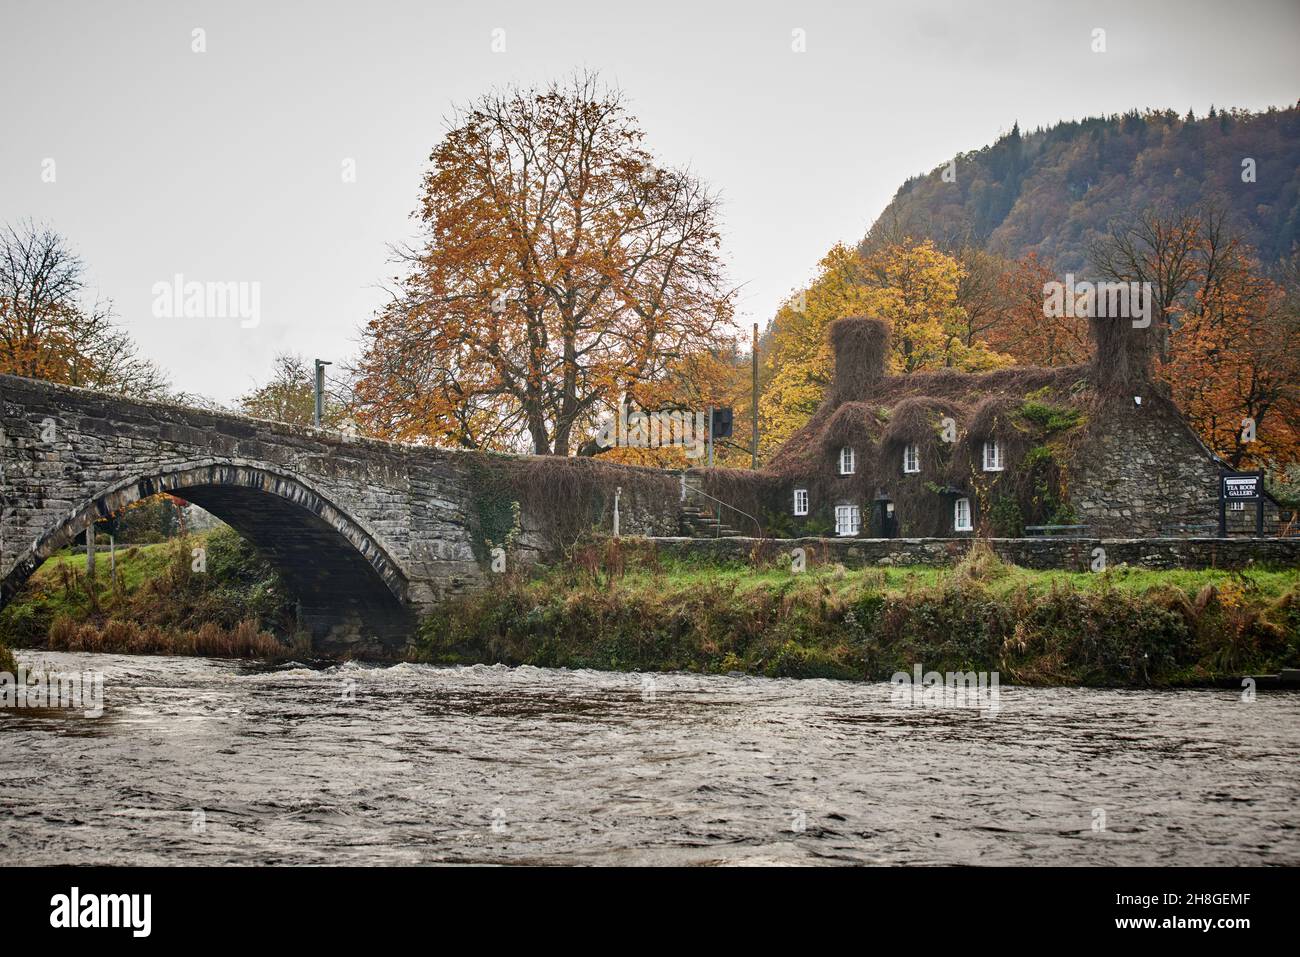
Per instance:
(699,522)
(698,516)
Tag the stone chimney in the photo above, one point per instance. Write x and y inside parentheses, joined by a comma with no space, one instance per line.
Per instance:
(1122,359)
(860,346)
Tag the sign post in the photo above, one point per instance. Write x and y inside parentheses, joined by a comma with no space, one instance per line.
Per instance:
(1241,487)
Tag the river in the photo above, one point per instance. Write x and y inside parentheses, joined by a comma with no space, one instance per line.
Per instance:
(223,762)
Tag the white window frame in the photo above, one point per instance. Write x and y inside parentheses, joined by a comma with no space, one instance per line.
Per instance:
(911,459)
(848,460)
(801,501)
(993,459)
(848,520)
(957,515)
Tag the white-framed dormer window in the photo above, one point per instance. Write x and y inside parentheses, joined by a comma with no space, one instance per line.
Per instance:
(801,501)
(911,458)
(993,456)
(848,461)
(848,520)
(961,515)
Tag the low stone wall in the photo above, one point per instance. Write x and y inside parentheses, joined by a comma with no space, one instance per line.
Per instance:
(647,507)
(1067,554)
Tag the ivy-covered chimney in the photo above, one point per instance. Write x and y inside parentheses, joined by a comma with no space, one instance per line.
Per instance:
(860,346)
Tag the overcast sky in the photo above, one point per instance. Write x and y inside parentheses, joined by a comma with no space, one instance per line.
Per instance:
(226,165)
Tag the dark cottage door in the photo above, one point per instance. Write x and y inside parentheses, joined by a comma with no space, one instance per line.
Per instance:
(884,519)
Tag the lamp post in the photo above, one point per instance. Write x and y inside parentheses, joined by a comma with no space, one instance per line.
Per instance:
(318,388)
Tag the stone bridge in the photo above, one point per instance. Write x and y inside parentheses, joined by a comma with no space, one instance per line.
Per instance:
(367,534)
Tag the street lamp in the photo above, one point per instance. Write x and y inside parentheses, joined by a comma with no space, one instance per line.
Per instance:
(319,389)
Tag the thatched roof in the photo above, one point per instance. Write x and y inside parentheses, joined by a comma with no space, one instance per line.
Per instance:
(910,409)
(866,408)
(1040,417)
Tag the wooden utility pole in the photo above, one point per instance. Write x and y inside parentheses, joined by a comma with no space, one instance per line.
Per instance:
(90,550)
(753,458)
(710,436)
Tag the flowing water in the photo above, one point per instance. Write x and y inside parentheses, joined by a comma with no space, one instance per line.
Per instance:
(215,762)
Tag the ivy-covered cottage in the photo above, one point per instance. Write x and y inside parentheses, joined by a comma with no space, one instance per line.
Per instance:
(937,454)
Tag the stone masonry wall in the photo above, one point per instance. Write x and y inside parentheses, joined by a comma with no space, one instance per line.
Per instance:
(1145,470)
(359,527)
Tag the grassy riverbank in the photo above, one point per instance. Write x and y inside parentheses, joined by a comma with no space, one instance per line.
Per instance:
(224,601)
(1123,627)
(620,607)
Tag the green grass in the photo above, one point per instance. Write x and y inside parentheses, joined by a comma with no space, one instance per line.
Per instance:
(1270,583)
(618,606)
(624,610)
(157,601)
(59,586)
(137,565)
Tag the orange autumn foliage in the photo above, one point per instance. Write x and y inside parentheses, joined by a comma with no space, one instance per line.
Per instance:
(1234,364)
(561,267)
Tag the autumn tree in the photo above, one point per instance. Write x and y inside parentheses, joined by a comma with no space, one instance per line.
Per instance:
(1235,357)
(1230,330)
(980,290)
(561,266)
(1019,326)
(1158,250)
(47,328)
(716,378)
(915,287)
(289,395)
(798,361)
(912,285)
(146,520)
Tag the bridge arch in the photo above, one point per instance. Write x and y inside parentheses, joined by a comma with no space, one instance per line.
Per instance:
(351,592)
